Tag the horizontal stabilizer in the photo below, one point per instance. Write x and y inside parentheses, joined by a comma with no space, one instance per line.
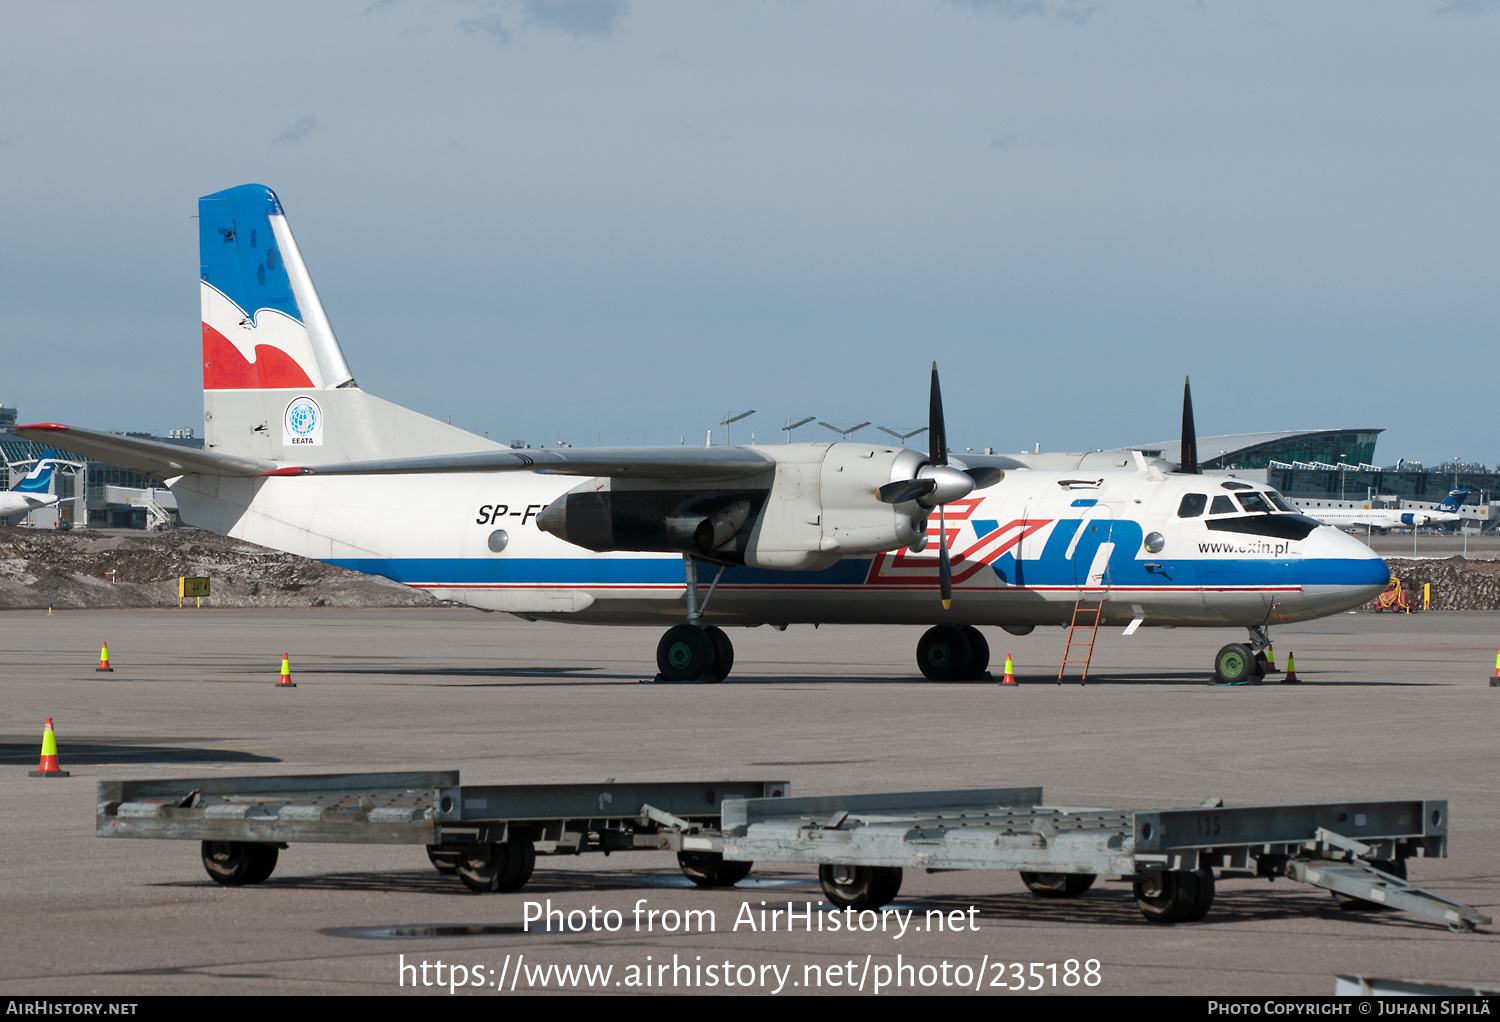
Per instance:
(679,463)
(148,457)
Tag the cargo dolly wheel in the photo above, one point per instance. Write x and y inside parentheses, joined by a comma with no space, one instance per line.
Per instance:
(1057,885)
(860,887)
(1175,896)
(237,863)
(444,860)
(710,869)
(501,867)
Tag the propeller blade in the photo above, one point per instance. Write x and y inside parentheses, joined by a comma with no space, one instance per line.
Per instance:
(945,567)
(984,476)
(937,442)
(903,490)
(1189,452)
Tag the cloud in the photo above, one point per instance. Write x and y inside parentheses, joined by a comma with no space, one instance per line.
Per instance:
(8,139)
(1006,141)
(1468,6)
(489,25)
(578,18)
(1076,11)
(1011,9)
(298,131)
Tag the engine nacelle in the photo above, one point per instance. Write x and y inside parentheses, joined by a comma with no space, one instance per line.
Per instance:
(816,505)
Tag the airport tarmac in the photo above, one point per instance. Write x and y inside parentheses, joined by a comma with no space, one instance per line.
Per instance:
(1391,707)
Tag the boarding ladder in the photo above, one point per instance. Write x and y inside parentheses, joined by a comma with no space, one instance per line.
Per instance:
(1085,619)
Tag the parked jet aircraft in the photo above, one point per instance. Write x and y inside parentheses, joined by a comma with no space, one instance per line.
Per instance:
(31,492)
(1391,518)
(298,458)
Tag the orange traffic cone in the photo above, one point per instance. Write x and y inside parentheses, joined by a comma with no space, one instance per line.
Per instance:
(286,672)
(48,767)
(104,659)
(1495,681)
(1010,678)
(1291,671)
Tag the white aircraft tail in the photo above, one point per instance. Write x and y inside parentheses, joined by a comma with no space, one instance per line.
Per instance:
(276,386)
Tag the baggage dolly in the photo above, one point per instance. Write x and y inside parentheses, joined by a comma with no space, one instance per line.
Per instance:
(489,835)
(861,844)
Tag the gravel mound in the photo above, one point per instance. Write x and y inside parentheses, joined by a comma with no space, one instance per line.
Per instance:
(67,570)
(1457,584)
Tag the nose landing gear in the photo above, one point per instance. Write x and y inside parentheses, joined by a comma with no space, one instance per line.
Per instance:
(1244,663)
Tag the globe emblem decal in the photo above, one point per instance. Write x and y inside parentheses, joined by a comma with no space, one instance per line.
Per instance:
(303,422)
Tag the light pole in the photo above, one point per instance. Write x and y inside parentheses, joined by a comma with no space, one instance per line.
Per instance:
(845,433)
(790,425)
(733,418)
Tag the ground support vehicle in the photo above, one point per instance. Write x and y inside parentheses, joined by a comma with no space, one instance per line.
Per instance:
(490,835)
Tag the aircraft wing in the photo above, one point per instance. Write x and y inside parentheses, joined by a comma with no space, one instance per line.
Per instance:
(148,457)
(676,463)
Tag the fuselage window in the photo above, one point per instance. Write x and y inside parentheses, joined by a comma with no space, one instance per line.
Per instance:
(1222,506)
(1192,505)
(1255,502)
(1236,486)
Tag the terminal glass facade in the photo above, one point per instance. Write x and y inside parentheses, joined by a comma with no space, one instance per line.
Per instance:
(1331,447)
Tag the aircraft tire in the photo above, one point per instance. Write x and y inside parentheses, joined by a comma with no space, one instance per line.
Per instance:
(1172,896)
(1234,665)
(1261,665)
(860,887)
(1057,885)
(239,863)
(685,653)
(723,651)
(943,653)
(979,653)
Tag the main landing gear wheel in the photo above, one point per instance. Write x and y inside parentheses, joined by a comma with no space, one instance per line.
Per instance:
(1235,665)
(710,869)
(1175,896)
(444,860)
(944,653)
(1395,867)
(685,653)
(238,863)
(860,887)
(1057,885)
(501,867)
(979,653)
(723,651)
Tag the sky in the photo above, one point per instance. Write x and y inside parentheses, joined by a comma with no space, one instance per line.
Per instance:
(618,221)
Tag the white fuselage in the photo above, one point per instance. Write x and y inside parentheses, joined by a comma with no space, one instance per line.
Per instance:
(1024,552)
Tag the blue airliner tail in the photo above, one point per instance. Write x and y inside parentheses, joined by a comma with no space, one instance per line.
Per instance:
(39,479)
(1454,501)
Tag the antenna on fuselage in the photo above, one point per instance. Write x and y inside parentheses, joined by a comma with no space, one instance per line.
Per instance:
(1188,456)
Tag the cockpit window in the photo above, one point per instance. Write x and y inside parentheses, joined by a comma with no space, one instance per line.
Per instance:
(1255,502)
(1192,505)
(1281,502)
(1222,506)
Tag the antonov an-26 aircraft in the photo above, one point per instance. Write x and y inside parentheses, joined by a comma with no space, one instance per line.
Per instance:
(298,458)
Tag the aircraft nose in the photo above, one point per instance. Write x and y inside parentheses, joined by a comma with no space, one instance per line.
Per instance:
(1342,572)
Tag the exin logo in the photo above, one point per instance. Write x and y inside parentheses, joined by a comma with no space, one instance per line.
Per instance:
(302,425)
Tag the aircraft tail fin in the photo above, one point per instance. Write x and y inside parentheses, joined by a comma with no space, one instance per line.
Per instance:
(1454,501)
(39,479)
(276,385)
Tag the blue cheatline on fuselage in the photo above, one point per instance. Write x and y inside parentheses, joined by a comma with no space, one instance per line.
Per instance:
(1125,572)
